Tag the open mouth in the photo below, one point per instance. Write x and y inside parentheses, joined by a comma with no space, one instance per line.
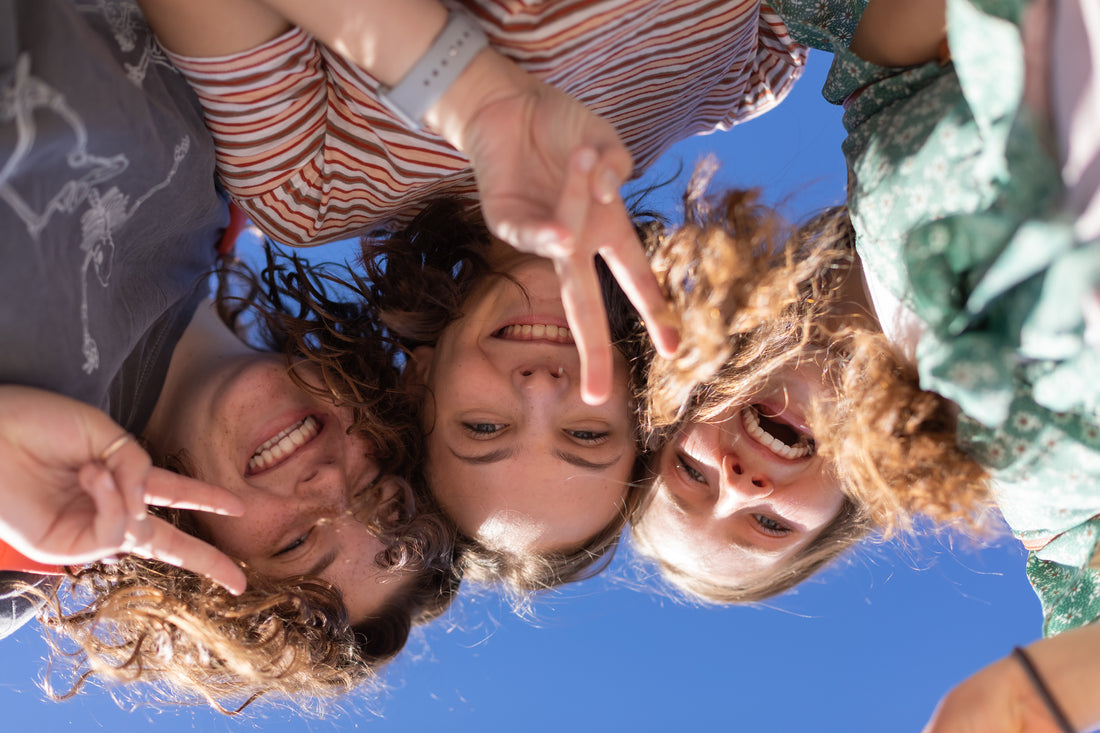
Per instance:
(548,332)
(281,447)
(777,436)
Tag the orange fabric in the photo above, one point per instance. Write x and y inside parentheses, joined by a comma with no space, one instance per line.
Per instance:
(12,560)
(237,223)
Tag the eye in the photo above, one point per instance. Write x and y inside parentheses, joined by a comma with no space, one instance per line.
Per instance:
(295,544)
(362,493)
(685,467)
(483,430)
(588,437)
(771,527)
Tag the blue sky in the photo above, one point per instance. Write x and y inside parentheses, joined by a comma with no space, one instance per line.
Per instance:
(871,645)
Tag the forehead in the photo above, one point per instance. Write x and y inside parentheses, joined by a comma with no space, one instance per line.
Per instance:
(533,499)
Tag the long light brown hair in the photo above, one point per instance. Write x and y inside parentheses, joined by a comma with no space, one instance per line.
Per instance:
(757,296)
(422,277)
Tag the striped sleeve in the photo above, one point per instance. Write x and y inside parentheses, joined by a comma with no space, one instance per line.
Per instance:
(309,152)
(305,148)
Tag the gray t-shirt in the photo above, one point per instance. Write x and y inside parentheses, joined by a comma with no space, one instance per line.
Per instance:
(108,204)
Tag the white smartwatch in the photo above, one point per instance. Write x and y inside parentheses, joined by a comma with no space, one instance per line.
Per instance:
(450,53)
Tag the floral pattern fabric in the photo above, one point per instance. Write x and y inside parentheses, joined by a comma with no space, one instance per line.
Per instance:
(956,202)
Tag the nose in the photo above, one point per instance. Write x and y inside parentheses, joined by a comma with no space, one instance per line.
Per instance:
(318,485)
(739,484)
(325,482)
(546,378)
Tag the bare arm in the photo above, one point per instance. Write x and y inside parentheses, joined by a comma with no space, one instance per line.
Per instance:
(519,134)
(212,27)
(901,32)
(548,170)
(1002,698)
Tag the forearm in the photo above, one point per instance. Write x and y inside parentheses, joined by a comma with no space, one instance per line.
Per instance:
(901,32)
(387,38)
(204,28)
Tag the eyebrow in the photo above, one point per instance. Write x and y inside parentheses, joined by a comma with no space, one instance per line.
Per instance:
(504,453)
(323,563)
(490,457)
(581,462)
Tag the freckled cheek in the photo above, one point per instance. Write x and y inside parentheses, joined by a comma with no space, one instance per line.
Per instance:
(468,368)
(209,457)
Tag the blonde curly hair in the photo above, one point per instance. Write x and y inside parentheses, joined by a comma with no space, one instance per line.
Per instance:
(757,296)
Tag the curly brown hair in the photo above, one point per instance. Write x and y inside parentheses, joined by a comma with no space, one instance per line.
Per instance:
(757,296)
(422,277)
(184,639)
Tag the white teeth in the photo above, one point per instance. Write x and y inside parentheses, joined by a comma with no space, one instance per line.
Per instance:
(751,420)
(285,443)
(538,331)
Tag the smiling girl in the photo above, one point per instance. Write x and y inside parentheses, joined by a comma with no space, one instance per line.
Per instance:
(341,547)
(960,364)
(112,218)
(538,481)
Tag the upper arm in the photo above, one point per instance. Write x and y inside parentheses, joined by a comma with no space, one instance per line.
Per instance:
(901,32)
(212,27)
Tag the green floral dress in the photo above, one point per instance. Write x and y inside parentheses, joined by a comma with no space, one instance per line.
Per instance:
(956,203)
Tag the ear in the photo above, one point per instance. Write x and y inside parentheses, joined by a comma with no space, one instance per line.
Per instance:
(419,369)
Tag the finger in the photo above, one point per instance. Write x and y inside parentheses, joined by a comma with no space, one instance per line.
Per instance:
(109,523)
(529,233)
(172,546)
(129,464)
(610,173)
(587,316)
(573,202)
(580,287)
(165,488)
(628,263)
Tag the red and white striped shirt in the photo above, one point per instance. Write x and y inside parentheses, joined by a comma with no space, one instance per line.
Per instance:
(311,155)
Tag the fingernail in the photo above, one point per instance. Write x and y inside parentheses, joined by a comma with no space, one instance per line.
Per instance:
(547,238)
(593,399)
(586,159)
(609,186)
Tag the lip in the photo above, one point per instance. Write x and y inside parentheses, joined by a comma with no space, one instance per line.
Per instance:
(782,411)
(272,429)
(778,414)
(534,320)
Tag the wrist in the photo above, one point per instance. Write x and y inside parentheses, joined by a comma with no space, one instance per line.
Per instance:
(489,79)
(453,49)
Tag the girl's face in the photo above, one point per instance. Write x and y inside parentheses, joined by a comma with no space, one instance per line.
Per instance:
(515,456)
(287,454)
(737,498)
